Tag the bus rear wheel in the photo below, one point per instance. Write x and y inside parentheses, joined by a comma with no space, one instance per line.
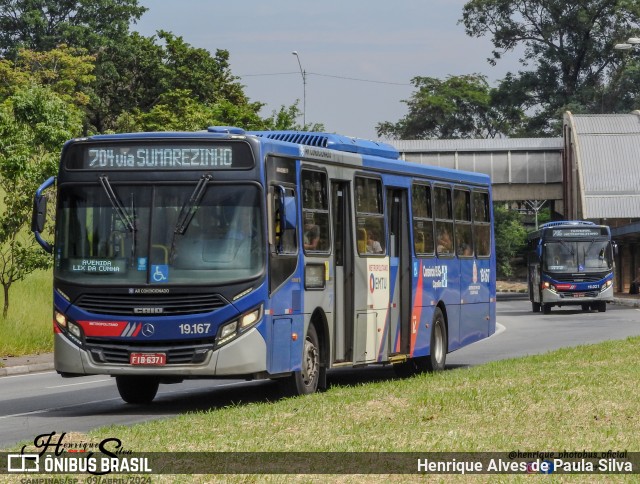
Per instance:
(438,351)
(305,381)
(137,389)
(546,308)
(535,307)
(436,360)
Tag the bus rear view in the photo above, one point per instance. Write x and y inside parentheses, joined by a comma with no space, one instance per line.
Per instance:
(570,263)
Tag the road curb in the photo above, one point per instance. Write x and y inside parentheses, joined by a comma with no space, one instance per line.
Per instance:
(24,369)
(504,296)
(622,301)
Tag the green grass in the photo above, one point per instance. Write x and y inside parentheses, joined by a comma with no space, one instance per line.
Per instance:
(572,399)
(575,399)
(27,327)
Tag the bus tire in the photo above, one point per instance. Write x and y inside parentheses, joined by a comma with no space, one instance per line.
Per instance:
(137,389)
(438,350)
(305,381)
(602,306)
(586,307)
(546,308)
(535,307)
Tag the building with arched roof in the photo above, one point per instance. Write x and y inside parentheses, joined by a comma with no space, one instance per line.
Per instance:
(591,173)
(601,180)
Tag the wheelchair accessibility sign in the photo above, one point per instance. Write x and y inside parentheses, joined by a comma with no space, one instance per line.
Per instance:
(159,273)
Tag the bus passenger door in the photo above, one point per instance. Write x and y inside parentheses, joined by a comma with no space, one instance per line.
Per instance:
(399,323)
(343,270)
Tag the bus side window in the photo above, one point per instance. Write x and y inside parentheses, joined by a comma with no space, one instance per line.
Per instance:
(462,210)
(422,219)
(370,216)
(315,211)
(481,224)
(444,221)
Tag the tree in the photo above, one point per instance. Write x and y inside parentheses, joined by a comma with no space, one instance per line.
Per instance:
(510,237)
(458,107)
(139,80)
(34,123)
(67,71)
(569,46)
(285,119)
(42,25)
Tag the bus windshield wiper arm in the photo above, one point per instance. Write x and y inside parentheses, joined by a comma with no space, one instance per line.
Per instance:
(187,212)
(189,209)
(568,247)
(117,204)
(125,218)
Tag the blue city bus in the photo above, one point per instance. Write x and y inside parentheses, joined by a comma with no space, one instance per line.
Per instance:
(570,262)
(279,255)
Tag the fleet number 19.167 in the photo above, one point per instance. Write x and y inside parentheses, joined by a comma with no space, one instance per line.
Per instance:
(195,328)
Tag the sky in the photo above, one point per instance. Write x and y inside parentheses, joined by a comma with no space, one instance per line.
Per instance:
(359,56)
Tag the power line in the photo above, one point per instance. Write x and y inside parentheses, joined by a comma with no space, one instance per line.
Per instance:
(271,74)
(329,75)
(360,80)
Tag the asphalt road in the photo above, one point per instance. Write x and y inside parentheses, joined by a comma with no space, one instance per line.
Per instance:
(41,403)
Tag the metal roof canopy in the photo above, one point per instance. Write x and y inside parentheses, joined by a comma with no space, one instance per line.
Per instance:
(606,153)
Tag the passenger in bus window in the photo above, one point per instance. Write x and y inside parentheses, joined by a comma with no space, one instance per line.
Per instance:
(311,236)
(373,244)
(445,244)
(465,250)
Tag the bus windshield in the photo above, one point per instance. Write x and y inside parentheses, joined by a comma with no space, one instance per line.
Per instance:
(578,256)
(131,234)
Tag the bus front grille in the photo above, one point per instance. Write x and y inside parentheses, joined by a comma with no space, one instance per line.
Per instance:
(142,305)
(577,295)
(176,355)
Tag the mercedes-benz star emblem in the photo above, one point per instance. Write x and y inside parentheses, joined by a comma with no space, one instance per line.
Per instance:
(148,330)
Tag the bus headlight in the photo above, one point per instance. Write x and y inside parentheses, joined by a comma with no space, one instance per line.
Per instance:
(71,329)
(548,285)
(238,326)
(74,329)
(606,285)
(60,318)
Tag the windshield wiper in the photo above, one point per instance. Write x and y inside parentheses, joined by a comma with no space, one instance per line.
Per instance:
(125,218)
(188,210)
(117,205)
(568,247)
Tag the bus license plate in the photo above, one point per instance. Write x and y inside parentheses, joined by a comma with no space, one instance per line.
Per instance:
(151,359)
(578,294)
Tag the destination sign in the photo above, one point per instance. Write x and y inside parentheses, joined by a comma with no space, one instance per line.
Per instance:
(159,156)
(577,232)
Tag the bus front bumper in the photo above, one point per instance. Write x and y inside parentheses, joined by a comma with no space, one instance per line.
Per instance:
(247,355)
(563,298)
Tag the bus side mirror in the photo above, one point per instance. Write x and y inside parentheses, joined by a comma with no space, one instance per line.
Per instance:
(289,213)
(614,245)
(39,215)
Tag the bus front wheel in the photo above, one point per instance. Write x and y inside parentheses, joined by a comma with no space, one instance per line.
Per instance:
(602,306)
(137,389)
(305,381)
